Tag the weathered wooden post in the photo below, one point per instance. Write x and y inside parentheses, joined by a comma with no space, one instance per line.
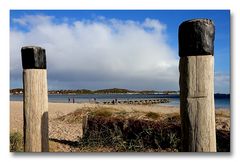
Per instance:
(196,66)
(35,101)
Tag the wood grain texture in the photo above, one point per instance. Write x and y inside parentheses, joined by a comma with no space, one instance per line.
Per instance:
(197,103)
(35,107)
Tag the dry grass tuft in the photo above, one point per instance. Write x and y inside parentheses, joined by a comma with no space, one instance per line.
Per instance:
(104,112)
(152,115)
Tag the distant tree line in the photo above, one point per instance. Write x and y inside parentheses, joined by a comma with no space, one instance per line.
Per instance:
(101,91)
(16,91)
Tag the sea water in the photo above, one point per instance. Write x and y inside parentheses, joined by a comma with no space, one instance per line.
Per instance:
(221,101)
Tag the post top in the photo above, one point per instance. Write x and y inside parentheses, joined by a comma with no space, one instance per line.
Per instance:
(31,47)
(196,37)
(33,57)
(199,20)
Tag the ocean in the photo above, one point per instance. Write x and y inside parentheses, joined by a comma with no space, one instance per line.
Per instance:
(221,101)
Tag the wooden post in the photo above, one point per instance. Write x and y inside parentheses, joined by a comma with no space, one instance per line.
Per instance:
(196,67)
(35,101)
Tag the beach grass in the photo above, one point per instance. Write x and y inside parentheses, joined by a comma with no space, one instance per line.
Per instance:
(152,115)
(16,142)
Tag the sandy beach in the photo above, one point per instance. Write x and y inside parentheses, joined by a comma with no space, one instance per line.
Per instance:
(63,130)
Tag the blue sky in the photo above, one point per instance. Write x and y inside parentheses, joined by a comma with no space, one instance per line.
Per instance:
(156,26)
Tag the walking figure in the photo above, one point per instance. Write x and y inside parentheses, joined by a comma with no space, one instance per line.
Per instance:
(69,100)
(73,100)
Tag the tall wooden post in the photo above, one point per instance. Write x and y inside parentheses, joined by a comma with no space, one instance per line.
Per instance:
(35,101)
(196,66)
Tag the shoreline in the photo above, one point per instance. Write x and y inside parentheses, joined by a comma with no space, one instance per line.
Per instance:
(220,102)
(154,105)
(56,110)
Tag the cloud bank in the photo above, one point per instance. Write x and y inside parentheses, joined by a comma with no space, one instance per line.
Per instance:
(98,53)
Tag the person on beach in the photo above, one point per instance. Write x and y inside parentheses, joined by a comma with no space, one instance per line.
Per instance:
(73,100)
(69,100)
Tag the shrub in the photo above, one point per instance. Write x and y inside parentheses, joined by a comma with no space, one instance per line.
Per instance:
(140,135)
(16,142)
(129,135)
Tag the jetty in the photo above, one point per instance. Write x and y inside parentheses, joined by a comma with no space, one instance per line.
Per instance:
(137,102)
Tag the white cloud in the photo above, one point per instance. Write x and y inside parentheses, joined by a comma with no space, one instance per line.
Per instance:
(30,20)
(99,53)
(155,24)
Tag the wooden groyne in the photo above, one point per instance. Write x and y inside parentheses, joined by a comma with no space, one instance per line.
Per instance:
(138,102)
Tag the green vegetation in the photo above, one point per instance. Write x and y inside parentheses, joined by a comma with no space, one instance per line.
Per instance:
(101,91)
(104,112)
(16,142)
(78,91)
(116,134)
(130,135)
(113,90)
(152,115)
(16,91)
